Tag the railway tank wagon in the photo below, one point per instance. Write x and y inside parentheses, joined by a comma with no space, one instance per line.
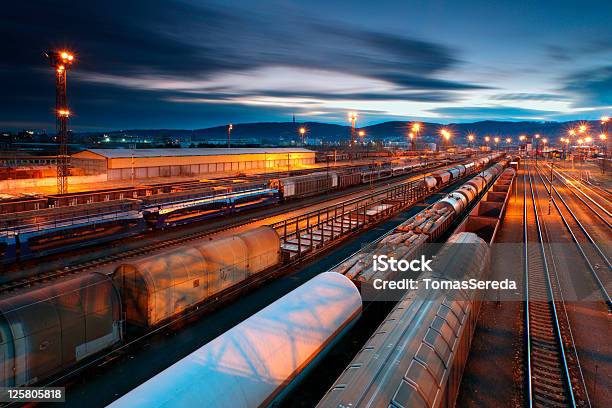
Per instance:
(416,357)
(49,328)
(157,287)
(253,363)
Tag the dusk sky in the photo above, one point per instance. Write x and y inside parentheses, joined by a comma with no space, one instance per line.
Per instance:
(194,64)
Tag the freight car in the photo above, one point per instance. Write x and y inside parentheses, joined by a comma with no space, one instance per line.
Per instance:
(46,329)
(417,355)
(307,185)
(157,287)
(251,364)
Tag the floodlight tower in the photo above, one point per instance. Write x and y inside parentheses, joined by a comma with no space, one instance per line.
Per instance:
(352,116)
(61,61)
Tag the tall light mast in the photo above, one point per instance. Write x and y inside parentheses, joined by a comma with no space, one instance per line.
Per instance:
(61,61)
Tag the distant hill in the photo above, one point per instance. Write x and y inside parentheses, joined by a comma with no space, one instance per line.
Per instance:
(273,132)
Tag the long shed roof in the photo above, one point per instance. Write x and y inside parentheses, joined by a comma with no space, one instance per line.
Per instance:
(179,152)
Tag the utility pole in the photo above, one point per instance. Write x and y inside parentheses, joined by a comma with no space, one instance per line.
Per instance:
(61,61)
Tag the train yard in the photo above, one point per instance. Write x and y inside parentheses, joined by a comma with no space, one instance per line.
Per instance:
(238,257)
(266,291)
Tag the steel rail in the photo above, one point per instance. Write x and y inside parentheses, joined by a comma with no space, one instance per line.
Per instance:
(549,384)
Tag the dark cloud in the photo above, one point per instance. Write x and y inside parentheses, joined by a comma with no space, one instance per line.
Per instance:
(529,97)
(438,96)
(181,40)
(492,113)
(591,87)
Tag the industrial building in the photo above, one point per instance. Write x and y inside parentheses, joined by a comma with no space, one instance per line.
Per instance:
(123,164)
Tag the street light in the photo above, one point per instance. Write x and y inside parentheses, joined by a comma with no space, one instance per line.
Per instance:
(470,137)
(361,134)
(582,128)
(302,133)
(496,140)
(487,139)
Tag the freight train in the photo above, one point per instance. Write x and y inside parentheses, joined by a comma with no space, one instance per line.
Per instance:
(46,328)
(49,327)
(416,357)
(41,226)
(409,238)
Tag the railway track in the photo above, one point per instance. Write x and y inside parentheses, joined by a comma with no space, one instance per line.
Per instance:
(603,192)
(599,205)
(594,257)
(549,383)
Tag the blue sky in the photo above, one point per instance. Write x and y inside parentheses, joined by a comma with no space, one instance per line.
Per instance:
(193,64)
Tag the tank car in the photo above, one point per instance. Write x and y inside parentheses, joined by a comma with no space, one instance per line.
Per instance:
(252,364)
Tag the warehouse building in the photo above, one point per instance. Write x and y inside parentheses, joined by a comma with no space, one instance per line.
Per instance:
(121,164)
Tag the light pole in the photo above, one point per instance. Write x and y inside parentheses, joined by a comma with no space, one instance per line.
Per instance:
(604,142)
(605,120)
(415,129)
(470,138)
(353,119)
(229,135)
(537,137)
(487,139)
(302,133)
(496,140)
(508,141)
